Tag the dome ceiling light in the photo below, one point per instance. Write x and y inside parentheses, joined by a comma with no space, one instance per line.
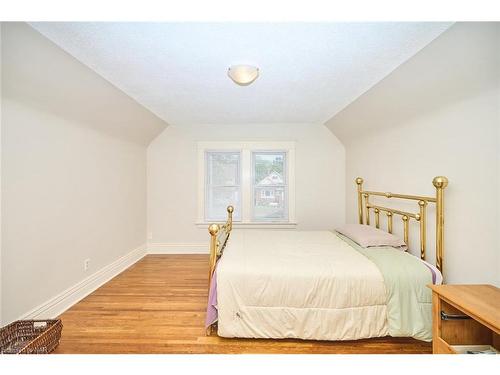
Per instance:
(243,75)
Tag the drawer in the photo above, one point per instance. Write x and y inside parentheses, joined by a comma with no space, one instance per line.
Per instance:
(465,318)
(463,331)
(460,333)
(464,349)
(439,346)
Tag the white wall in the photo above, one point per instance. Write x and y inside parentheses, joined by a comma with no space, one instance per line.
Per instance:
(72,188)
(69,194)
(437,114)
(467,155)
(172,177)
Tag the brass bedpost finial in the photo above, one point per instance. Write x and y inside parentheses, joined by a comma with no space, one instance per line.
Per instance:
(440,182)
(213,229)
(359,181)
(230,209)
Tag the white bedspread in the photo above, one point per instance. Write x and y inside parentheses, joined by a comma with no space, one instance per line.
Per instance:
(335,293)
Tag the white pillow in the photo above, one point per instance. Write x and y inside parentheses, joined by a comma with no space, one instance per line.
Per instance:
(368,236)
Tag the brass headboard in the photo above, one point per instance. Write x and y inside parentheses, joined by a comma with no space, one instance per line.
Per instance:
(364,207)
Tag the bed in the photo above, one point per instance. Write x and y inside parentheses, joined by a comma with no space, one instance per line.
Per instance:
(323,285)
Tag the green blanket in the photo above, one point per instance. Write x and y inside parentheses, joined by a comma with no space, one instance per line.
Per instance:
(409,300)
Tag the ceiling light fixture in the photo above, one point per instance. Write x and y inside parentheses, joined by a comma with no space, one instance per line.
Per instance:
(243,75)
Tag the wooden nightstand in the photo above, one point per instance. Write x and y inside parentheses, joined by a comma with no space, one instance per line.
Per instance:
(465,317)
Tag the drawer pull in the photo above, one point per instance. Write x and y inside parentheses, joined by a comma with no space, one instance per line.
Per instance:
(445,316)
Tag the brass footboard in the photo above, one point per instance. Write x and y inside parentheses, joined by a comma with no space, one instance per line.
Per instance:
(219,235)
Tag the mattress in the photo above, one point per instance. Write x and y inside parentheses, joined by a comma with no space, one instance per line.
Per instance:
(298,284)
(318,285)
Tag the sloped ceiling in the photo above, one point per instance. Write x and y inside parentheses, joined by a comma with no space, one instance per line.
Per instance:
(36,71)
(309,72)
(460,63)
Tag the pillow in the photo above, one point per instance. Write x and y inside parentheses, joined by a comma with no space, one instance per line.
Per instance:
(368,236)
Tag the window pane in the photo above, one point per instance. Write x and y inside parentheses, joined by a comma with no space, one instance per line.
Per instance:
(218,198)
(270,203)
(223,168)
(269,168)
(222,185)
(269,190)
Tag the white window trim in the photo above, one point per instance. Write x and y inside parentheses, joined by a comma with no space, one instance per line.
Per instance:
(246,149)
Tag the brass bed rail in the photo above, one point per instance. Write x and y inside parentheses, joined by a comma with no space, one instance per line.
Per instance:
(364,207)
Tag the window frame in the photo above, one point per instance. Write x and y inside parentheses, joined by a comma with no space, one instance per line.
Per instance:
(246,182)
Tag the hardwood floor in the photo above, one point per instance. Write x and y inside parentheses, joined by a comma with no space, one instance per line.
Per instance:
(158,306)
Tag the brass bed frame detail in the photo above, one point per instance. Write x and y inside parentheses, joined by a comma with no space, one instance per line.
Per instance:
(219,233)
(364,207)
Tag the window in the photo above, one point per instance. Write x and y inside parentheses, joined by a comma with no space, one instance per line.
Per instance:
(257,178)
(269,186)
(266,194)
(222,184)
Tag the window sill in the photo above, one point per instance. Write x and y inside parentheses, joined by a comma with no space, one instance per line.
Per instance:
(253,225)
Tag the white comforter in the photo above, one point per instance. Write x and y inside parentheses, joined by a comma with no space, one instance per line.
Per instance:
(335,293)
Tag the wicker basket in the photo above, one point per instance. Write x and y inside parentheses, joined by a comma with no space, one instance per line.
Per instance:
(30,337)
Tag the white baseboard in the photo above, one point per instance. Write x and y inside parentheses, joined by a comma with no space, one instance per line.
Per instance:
(63,301)
(178,248)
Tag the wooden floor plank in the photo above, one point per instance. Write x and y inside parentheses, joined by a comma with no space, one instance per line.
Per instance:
(158,306)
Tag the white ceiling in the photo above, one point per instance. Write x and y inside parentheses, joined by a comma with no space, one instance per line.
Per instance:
(309,72)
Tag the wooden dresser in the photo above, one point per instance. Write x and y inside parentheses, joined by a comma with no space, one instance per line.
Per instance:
(465,317)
